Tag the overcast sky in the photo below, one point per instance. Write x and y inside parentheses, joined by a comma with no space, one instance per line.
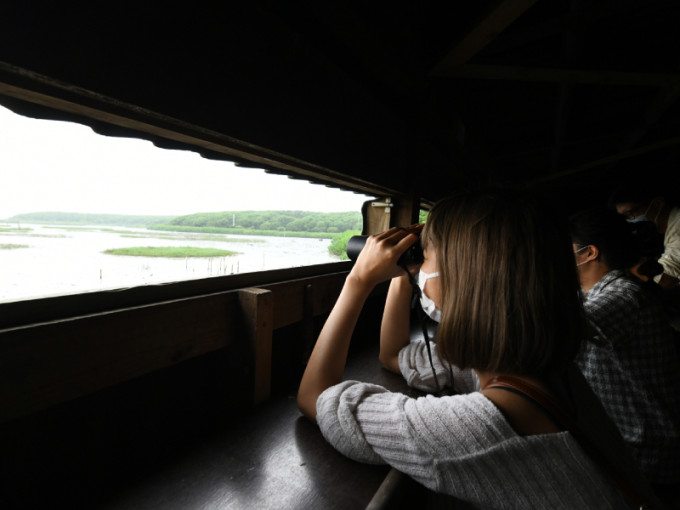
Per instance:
(61,166)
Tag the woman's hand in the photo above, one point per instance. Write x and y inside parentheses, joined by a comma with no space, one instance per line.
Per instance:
(377,261)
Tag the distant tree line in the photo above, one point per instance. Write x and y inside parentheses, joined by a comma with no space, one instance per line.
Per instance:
(278,221)
(274,221)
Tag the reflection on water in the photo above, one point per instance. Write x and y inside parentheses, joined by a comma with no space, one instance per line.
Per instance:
(40,260)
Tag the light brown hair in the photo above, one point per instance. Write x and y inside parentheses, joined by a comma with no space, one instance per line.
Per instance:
(510,293)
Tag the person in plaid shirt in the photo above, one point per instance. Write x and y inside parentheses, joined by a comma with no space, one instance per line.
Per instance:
(631,358)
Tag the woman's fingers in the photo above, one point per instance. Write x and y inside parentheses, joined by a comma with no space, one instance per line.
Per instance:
(392,243)
(397,233)
(390,233)
(378,260)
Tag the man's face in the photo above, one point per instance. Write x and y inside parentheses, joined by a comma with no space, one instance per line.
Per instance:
(631,209)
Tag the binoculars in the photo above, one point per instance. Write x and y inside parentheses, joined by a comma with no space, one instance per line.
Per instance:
(414,255)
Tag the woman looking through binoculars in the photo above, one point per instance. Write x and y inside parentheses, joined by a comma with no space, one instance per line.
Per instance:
(511,325)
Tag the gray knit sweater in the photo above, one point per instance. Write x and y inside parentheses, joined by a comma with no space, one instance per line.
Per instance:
(460,445)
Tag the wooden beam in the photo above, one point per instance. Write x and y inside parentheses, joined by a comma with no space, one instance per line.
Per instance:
(556,75)
(662,144)
(495,20)
(664,99)
(287,281)
(54,362)
(572,46)
(257,307)
(307,323)
(587,14)
(290,303)
(47,92)
(406,210)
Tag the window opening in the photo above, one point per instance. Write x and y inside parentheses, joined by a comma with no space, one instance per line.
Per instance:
(83,212)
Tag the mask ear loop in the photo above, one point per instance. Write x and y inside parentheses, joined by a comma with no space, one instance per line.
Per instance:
(415,304)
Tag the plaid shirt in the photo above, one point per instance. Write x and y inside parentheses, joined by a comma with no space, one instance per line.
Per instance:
(632,365)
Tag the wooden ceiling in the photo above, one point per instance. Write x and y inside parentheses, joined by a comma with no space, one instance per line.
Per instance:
(383,97)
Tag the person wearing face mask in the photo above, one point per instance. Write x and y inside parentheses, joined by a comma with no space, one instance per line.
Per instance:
(630,359)
(428,278)
(638,204)
(511,324)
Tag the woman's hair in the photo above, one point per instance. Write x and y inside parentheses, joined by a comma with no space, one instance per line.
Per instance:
(613,236)
(510,293)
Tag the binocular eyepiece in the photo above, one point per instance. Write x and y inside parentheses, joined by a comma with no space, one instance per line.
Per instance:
(414,255)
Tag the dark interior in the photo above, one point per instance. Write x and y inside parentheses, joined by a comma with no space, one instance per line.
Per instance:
(400,96)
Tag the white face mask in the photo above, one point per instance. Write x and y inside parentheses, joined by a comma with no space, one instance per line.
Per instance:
(428,305)
(643,216)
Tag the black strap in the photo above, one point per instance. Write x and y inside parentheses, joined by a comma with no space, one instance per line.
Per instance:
(415,305)
(564,421)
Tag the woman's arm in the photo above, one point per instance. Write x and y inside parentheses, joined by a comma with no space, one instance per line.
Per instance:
(395,330)
(376,263)
(396,323)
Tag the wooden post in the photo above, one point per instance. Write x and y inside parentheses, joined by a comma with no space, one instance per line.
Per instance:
(406,210)
(308,322)
(258,316)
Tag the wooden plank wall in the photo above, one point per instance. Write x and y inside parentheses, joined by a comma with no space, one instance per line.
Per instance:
(52,362)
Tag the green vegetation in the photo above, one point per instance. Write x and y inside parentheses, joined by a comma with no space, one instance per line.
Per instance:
(240,231)
(170,251)
(195,237)
(263,223)
(272,222)
(338,245)
(12,246)
(14,229)
(87,229)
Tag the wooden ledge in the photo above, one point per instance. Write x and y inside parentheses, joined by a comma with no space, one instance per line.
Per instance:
(273,458)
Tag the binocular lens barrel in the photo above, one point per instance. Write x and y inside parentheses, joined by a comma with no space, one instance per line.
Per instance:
(414,255)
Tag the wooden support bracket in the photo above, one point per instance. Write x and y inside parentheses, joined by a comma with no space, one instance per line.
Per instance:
(258,316)
(308,336)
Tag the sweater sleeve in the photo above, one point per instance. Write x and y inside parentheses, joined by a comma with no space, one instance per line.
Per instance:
(415,367)
(462,446)
(370,424)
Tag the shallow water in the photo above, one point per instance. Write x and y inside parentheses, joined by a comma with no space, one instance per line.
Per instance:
(61,260)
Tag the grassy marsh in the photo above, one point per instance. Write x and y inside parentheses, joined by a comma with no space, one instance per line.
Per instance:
(196,237)
(170,251)
(14,229)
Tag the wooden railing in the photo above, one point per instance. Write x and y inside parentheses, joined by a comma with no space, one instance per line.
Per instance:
(43,363)
(89,411)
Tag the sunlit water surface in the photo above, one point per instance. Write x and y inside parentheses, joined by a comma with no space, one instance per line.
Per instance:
(57,260)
